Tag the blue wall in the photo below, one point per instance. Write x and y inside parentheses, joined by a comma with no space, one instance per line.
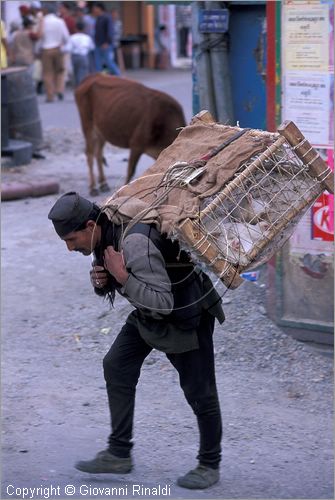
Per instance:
(247,62)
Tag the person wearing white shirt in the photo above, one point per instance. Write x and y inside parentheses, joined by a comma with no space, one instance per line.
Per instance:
(54,36)
(80,46)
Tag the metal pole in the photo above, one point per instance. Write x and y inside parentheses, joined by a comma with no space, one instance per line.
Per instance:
(221,74)
(203,97)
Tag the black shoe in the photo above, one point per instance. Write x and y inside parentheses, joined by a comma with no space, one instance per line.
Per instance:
(199,478)
(105,462)
(39,88)
(104,187)
(60,96)
(94,191)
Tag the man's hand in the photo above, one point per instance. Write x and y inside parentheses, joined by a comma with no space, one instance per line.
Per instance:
(99,276)
(115,265)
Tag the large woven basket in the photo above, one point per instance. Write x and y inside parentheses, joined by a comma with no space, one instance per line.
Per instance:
(248,221)
(230,196)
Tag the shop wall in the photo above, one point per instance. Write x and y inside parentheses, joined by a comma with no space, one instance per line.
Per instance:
(301,278)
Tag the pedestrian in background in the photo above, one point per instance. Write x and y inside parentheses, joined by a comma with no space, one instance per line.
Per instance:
(161,48)
(118,32)
(104,40)
(65,13)
(36,11)
(81,14)
(85,17)
(13,28)
(184,22)
(80,46)
(22,49)
(37,16)
(54,35)
(24,12)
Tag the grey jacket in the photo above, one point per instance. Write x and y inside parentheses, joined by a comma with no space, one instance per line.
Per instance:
(168,292)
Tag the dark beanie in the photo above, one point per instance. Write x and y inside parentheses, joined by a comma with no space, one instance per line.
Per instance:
(69,212)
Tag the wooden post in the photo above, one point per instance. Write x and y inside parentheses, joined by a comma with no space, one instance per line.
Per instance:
(307,154)
(203,116)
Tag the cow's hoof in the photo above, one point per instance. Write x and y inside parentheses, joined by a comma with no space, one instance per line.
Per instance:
(104,187)
(94,192)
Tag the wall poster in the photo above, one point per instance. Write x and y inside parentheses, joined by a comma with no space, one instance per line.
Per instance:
(308,93)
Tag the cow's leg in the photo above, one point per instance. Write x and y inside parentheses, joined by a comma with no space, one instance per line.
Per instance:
(103,184)
(90,162)
(135,154)
(93,189)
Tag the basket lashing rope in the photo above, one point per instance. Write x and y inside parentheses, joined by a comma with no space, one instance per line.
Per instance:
(183,173)
(180,175)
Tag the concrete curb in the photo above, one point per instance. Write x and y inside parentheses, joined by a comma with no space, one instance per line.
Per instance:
(18,190)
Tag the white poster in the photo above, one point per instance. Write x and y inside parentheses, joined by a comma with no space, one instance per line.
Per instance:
(307,69)
(307,48)
(305,27)
(307,102)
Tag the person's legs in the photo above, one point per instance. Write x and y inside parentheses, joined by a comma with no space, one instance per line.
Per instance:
(197,378)
(75,66)
(59,68)
(108,59)
(80,68)
(91,60)
(98,58)
(83,69)
(67,71)
(47,71)
(122,366)
(183,40)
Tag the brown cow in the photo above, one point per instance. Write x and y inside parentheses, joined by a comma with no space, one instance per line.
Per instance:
(128,115)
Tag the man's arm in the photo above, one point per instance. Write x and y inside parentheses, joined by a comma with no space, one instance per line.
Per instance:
(65,33)
(144,279)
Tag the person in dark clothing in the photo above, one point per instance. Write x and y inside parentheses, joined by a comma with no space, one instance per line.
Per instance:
(104,39)
(66,14)
(175,306)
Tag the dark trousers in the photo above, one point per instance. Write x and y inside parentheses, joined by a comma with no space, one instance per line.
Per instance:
(122,366)
(81,68)
(183,39)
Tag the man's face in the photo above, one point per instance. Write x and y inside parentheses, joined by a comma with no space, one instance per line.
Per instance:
(83,241)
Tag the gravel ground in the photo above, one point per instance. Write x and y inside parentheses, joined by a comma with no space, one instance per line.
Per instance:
(276,393)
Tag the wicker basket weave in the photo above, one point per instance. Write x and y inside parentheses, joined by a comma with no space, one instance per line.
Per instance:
(242,226)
